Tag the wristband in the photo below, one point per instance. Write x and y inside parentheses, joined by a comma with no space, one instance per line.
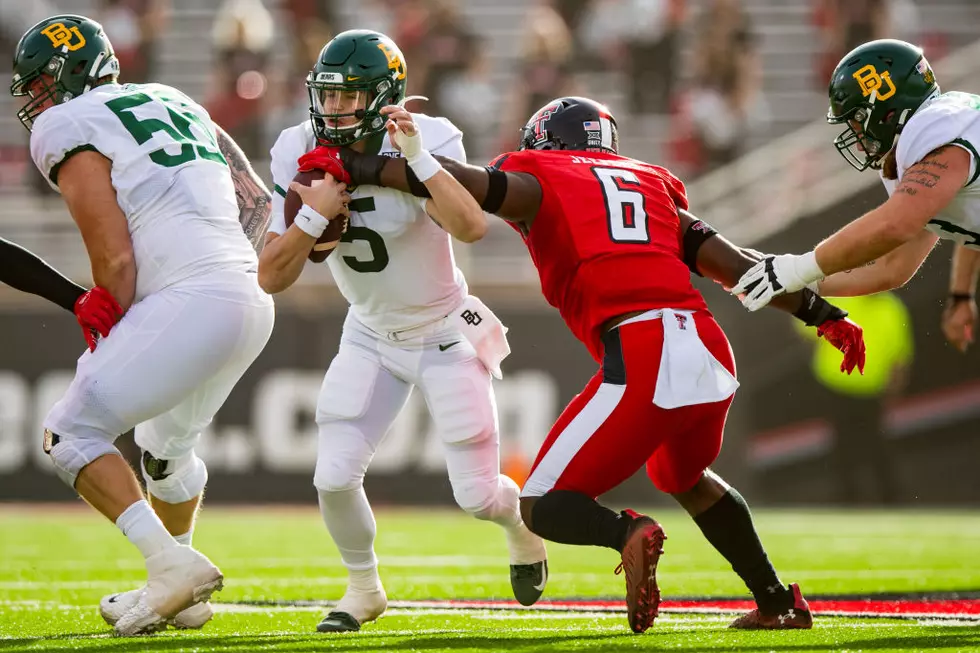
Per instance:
(310,221)
(808,268)
(424,165)
(957,297)
(815,310)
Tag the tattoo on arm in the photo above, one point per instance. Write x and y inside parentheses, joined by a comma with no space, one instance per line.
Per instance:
(924,174)
(254,199)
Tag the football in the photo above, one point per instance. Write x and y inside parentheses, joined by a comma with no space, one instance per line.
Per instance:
(321,249)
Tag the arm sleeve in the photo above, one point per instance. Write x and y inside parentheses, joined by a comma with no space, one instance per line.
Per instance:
(26,272)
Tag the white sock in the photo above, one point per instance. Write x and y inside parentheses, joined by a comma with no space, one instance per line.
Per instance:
(506,508)
(185,538)
(350,521)
(144,529)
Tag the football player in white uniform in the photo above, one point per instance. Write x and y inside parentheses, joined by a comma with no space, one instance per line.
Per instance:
(411,321)
(925,145)
(144,177)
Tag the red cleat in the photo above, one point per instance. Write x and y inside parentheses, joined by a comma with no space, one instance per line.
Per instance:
(796,617)
(644,546)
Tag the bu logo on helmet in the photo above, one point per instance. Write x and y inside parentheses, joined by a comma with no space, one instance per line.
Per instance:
(394,61)
(870,81)
(61,36)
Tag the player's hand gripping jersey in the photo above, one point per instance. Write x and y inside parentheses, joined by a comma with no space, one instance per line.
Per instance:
(394,265)
(171,180)
(948,119)
(606,239)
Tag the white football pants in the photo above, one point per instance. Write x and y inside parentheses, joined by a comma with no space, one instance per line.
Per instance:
(369,382)
(168,365)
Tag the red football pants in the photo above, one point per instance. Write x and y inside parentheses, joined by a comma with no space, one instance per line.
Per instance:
(612,427)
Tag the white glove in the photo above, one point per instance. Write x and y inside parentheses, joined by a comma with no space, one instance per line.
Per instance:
(775,275)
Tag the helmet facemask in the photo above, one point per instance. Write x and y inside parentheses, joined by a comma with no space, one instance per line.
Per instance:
(51,84)
(859,148)
(344,114)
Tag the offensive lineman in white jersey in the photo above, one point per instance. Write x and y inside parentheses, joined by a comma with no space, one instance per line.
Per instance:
(925,145)
(143,171)
(410,323)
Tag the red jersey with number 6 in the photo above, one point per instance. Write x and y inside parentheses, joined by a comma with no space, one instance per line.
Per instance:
(606,240)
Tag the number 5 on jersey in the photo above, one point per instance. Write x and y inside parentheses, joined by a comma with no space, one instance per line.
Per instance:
(625,211)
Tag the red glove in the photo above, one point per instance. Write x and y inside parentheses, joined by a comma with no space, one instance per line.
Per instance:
(848,337)
(97,312)
(327,159)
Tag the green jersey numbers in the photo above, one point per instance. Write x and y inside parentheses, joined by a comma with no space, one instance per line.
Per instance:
(178,129)
(378,259)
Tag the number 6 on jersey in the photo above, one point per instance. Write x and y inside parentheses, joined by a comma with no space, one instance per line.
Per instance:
(625,210)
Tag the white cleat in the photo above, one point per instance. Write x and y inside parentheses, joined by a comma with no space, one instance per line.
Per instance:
(354,610)
(114,606)
(177,578)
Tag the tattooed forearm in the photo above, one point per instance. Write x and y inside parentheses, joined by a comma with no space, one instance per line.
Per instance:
(924,174)
(254,199)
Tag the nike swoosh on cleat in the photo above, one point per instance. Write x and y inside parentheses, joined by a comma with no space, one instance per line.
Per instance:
(544,580)
(445,347)
(112,599)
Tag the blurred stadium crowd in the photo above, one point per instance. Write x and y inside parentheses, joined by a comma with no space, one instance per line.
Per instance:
(694,82)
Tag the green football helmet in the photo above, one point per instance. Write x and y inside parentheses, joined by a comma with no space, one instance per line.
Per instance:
(878,86)
(356,74)
(73,51)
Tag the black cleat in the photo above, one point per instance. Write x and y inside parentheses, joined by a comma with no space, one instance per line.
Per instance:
(338,622)
(528,581)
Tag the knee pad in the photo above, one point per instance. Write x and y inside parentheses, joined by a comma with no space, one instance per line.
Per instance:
(174,480)
(70,455)
(487,498)
(342,459)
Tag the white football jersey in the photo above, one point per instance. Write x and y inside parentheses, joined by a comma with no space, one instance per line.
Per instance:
(949,119)
(394,265)
(170,179)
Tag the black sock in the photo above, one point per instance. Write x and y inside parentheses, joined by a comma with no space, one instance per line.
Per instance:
(575,518)
(727,525)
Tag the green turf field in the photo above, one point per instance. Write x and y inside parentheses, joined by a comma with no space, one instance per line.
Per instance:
(56,563)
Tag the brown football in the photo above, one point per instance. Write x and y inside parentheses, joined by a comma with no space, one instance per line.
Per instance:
(334,230)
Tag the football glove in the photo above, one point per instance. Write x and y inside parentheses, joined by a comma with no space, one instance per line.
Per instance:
(776,275)
(848,337)
(325,158)
(97,311)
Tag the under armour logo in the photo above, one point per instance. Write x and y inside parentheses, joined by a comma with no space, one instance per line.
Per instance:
(681,322)
(783,618)
(471,317)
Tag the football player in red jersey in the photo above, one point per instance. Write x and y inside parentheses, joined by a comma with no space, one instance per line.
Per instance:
(615,246)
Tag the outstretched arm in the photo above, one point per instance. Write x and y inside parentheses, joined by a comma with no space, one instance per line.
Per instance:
(893,270)
(28,273)
(925,190)
(512,196)
(718,259)
(254,199)
(927,187)
(710,254)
